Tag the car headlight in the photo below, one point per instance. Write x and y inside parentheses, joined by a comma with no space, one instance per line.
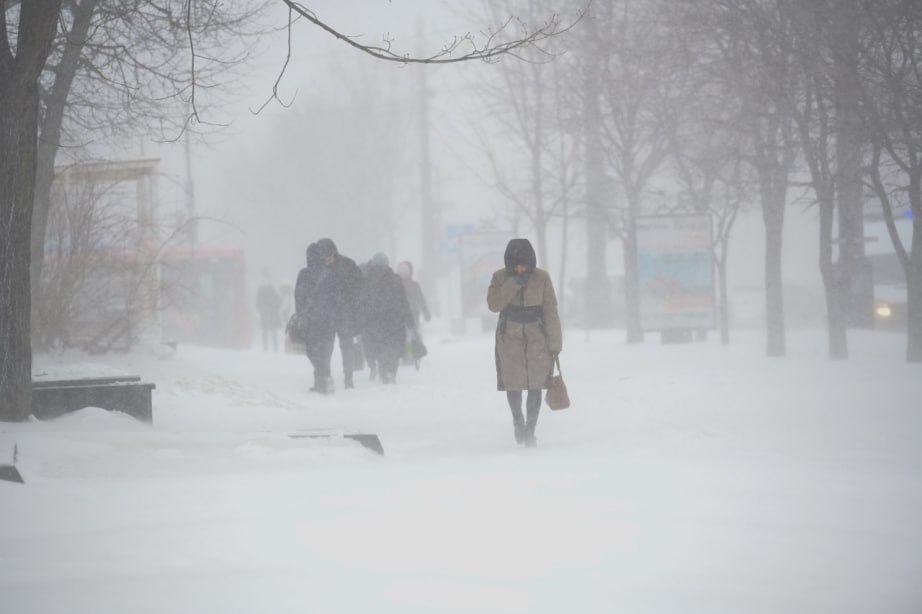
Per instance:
(882,310)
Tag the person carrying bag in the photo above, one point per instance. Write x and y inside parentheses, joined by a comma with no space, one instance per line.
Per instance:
(528,334)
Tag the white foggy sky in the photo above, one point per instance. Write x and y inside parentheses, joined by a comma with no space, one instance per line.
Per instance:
(248,176)
(256,174)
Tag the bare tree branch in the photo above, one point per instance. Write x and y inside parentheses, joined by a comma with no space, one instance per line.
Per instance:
(491,49)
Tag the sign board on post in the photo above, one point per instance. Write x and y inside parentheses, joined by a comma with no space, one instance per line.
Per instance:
(481,254)
(451,238)
(675,272)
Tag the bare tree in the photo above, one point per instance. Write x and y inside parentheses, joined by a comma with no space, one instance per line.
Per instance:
(532,152)
(102,279)
(755,73)
(597,202)
(821,102)
(77,228)
(19,106)
(734,190)
(120,69)
(704,154)
(890,70)
(630,43)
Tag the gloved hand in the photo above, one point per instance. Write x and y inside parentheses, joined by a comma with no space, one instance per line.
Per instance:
(522,278)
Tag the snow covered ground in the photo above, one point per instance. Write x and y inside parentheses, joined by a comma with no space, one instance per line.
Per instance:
(684,478)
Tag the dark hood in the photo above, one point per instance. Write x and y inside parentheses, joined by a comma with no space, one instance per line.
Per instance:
(327,248)
(314,257)
(379,260)
(520,251)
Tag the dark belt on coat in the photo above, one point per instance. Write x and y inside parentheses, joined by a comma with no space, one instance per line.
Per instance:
(521,314)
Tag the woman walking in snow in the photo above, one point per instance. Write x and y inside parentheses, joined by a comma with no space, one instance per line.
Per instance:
(528,335)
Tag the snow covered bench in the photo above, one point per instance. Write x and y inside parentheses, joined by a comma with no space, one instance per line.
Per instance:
(366,440)
(53,398)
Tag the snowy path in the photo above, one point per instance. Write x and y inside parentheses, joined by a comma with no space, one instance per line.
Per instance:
(692,478)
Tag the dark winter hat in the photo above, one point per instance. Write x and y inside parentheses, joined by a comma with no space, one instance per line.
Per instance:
(313,254)
(379,259)
(520,251)
(327,248)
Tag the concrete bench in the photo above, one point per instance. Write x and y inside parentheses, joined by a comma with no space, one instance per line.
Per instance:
(369,441)
(53,398)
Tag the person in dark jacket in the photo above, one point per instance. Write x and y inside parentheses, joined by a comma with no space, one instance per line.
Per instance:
(269,306)
(348,291)
(528,335)
(418,307)
(315,301)
(387,318)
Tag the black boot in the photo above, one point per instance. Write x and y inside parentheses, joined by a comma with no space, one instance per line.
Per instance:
(533,406)
(323,384)
(518,426)
(514,397)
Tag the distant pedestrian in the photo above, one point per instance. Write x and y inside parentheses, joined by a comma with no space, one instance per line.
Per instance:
(315,302)
(288,302)
(415,297)
(269,305)
(387,318)
(348,290)
(528,334)
(415,348)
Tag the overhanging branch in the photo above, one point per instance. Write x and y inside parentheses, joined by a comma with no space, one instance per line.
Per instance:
(489,50)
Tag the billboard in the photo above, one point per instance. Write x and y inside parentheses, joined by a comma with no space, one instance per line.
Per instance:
(675,272)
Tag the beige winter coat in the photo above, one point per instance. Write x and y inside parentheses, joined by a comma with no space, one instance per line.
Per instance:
(523,350)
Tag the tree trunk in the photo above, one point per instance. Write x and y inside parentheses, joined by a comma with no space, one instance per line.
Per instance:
(18,125)
(773,201)
(723,306)
(44,180)
(914,274)
(597,291)
(774,293)
(914,296)
(48,145)
(19,100)
(834,282)
(631,286)
(836,301)
(430,222)
(848,165)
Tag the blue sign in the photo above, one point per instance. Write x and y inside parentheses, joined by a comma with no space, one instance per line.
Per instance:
(450,243)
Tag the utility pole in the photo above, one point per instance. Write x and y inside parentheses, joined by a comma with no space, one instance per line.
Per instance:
(598,292)
(428,213)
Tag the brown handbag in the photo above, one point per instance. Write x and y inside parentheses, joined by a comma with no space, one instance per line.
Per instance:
(557,396)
